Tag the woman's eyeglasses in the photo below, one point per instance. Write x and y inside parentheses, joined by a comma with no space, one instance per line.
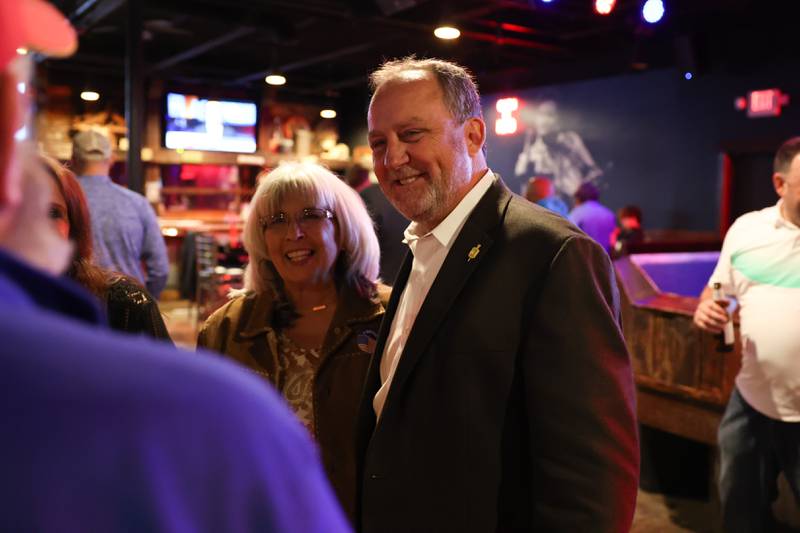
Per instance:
(308,218)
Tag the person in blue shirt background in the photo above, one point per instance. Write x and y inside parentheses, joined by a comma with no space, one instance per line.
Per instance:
(540,191)
(124,226)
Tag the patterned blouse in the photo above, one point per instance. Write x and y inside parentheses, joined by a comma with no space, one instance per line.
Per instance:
(298,366)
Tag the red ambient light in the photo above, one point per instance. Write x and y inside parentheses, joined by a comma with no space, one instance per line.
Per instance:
(604,7)
(506,124)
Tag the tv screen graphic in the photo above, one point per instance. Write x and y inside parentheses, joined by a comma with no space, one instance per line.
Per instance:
(197,123)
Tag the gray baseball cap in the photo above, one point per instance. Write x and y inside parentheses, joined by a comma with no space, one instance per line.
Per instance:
(91,145)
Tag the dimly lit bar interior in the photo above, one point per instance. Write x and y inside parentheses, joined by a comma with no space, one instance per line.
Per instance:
(427,265)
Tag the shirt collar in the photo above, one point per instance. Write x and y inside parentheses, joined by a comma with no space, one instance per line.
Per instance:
(777,217)
(448,229)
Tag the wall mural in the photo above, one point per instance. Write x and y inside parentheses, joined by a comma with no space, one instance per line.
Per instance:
(548,150)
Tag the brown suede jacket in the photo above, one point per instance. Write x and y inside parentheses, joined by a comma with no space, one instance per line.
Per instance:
(241,330)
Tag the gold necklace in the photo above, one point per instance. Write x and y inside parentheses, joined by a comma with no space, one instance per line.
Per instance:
(320,307)
(316,308)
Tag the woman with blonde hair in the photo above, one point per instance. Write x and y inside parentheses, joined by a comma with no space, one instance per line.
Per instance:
(309,315)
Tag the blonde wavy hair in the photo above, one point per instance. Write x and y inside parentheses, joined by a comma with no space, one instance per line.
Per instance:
(358,263)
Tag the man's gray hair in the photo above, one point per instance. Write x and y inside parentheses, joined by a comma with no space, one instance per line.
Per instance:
(458,85)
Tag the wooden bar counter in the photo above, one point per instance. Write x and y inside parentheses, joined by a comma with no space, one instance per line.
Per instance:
(683,380)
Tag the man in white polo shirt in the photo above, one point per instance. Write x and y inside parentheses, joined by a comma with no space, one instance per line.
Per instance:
(500,397)
(759,435)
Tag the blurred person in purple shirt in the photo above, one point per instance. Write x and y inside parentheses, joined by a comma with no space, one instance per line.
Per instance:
(109,433)
(596,220)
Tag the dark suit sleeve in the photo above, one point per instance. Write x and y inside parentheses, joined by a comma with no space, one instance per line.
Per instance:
(580,397)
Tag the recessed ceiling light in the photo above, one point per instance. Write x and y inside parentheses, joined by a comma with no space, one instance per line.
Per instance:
(275,79)
(447,32)
(328,113)
(90,96)
(653,11)
(604,7)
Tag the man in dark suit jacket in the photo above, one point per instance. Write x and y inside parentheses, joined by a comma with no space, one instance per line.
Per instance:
(500,397)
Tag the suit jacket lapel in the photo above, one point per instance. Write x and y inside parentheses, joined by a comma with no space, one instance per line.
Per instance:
(472,246)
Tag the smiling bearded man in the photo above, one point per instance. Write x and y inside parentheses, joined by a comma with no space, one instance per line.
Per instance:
(500,396)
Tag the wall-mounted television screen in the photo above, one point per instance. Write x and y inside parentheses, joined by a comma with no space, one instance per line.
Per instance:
(197,123)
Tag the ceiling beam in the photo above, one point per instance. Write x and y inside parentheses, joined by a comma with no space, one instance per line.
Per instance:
(200,49)
(352,82)
(72,67)
(507,27)
(271,6)
(427,29)
(511,41)
(90,12)
(306,62)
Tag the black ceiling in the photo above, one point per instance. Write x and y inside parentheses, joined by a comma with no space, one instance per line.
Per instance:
(326,47)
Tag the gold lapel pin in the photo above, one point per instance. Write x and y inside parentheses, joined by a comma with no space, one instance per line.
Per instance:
(473,253)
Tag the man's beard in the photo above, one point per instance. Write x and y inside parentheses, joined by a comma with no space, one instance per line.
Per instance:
(31,235)
(421,206)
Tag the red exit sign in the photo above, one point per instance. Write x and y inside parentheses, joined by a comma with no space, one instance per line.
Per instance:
(765,103)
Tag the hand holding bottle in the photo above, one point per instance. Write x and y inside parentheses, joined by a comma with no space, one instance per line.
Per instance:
(712,315)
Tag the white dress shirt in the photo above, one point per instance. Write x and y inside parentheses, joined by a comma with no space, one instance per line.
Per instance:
(429,251)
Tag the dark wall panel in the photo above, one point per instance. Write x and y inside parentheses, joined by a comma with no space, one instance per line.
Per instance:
(655,138)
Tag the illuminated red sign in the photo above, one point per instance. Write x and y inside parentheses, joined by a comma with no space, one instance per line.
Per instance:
(506,124)
(765,103)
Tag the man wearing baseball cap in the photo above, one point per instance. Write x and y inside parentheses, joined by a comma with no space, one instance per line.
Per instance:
(109,433)
(124,226)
